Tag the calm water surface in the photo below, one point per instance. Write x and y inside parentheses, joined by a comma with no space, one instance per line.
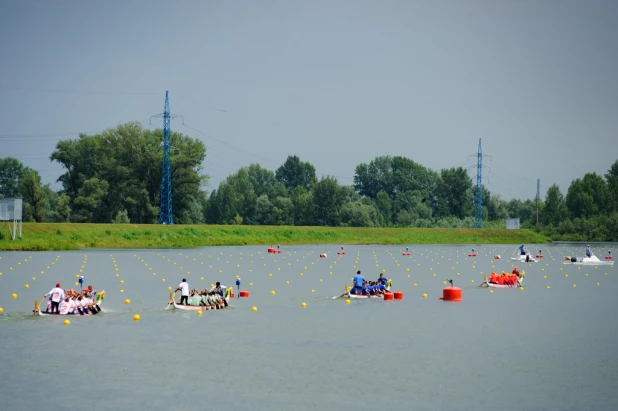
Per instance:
(540,348)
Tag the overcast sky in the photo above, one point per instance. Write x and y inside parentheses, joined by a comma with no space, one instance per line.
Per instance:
(335,82)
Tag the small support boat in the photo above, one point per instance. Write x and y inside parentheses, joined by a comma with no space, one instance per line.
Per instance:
(593,260)
(525,258)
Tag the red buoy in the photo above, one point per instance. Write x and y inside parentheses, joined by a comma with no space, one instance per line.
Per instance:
(451,294)
(405,253)
(232,295)
(398,295)
(272,250)
(497,257)
(609,257)
(244,293)
(539,256)
(388,296)
(472,255)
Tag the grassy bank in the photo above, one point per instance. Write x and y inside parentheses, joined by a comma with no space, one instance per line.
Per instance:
(48,236)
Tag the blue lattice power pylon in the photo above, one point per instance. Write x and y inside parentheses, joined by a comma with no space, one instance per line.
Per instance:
(165,213)
(478,200)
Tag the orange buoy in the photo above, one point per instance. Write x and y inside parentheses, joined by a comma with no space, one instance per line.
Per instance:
(232,295)
(272,250)
(244,293)
(451,294)
(388,296)
(398,295)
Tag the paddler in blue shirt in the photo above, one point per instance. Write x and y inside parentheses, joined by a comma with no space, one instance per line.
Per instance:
(522,249)
(588,251)
(382,280)
(358,284)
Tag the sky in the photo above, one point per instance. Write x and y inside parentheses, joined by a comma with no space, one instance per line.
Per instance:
(336,82)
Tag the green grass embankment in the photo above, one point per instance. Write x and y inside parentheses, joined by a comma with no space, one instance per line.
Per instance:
(66,236)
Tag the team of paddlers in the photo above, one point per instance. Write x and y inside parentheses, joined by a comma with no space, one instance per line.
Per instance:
(506,278)
(213,298)
(66,302)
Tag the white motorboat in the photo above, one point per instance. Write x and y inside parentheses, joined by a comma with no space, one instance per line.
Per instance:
(528,258)
(593,260)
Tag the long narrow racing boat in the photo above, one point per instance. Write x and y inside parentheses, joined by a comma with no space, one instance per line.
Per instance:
(594,260)
(94,308)
(517,284)
(190,307)
(347,294)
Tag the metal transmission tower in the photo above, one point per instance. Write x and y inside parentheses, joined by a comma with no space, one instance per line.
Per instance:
(478,201)
(165,213)
(478,198)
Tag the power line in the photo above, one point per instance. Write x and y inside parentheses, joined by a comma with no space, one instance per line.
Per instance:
(46,90)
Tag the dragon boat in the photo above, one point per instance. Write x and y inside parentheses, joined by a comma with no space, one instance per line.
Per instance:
(93,308)
(347,294)
(516,284)
(194,302)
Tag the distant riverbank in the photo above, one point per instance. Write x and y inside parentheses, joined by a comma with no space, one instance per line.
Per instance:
(67,236)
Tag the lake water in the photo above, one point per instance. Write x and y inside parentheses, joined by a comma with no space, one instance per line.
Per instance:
(551,346)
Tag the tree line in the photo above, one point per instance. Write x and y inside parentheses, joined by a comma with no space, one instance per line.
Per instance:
(115,177)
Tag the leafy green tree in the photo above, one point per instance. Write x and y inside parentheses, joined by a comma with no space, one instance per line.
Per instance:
(302,201)
(588,196)
(455,191)
(611,177)
(393,175)
(88,200)
(554,210)
(34,195)
(295,173)
(328,198)
(358,214)
(384,207)
(11,172)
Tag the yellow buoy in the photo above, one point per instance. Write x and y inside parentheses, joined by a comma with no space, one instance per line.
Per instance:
(303,304)
(121,291)
(163,280)
(13,296)
(547,287)
(26,286)
(270,274)
(521,288)
(574,285)
(250,284)
(169,288)
(76,275)
(33,278)
(67,322)
(273,292)
(287,282)
(121,281)
(416,285)
(1,310)
(199,312)
(313,291)
(136,317)
(320,280)
(254,309)
(201,278)
(127,301)
(491,291)
(424,295)
(347,301)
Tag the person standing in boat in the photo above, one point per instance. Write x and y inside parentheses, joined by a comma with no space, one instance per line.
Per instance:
(588,251)
(184,292)
(358,284)
(522,249)
(56,295)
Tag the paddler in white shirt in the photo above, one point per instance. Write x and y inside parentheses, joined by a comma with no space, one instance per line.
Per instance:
(184,292)
(56,295)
